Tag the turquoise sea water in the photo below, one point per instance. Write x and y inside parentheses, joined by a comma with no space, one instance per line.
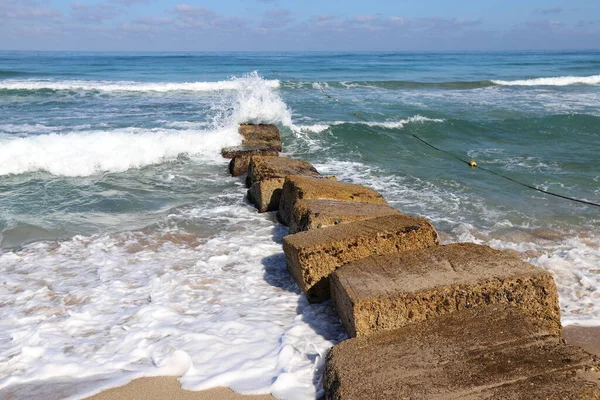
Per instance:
(126,247)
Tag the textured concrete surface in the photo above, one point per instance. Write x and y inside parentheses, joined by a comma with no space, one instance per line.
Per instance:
(240,157)
(269,167)
(266,194)
(313,255)
(495,352)
(306,188)
(390,291)
(260,135)
(315,214)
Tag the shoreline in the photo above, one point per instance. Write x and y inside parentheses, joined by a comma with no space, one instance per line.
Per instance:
(168,387)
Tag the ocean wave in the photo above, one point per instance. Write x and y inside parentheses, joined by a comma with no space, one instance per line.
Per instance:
(318,128)
(450,85)
(126,86)
(552,81)
(402,122)
(391,85)
(92,152)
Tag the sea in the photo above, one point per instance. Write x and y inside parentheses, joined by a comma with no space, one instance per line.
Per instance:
(126,249)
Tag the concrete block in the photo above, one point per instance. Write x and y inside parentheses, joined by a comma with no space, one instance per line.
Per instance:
(269,167)
(313,255)
(390,291)
(314,214)
(496,352)
(306,188)
(240,157)
(260,135)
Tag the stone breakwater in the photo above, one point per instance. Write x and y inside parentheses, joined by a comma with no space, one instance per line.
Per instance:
(425,320)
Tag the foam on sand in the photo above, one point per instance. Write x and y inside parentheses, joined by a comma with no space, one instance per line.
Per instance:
(217,310)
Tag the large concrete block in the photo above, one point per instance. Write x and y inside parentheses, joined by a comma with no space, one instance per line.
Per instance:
(495,352)
(240,157)
(306,188)
(390,291)
(313,255)
(260,135)
(314,214)
(268,167)
(266,175)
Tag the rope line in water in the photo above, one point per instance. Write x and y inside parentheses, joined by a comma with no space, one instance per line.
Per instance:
(589,203)
(469,163)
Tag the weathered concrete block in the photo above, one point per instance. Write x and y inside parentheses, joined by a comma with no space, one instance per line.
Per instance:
(268,167)
(313,255)
(266,175)
(495,352)
(240,157)
(390,291)
(306,188)
(266,194)
(314,214)
(260,135)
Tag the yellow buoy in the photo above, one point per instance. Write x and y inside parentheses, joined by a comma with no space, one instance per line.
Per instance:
(472,163)
(356,114)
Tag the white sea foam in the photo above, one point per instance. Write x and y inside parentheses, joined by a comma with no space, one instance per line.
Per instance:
(402,122)
(218,310)
(126,86)
(318,128)
(256,101)
(552,81)
(88,153)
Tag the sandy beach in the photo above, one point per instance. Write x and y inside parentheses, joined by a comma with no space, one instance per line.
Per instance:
(167,387)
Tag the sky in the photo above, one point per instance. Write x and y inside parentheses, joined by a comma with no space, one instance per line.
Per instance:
(300,25)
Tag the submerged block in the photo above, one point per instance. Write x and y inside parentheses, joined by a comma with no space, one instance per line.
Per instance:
(306,188)
(260,135)
(390,291)
(314,214)
(240,157)
(313,255)
(495,352)
(268,167)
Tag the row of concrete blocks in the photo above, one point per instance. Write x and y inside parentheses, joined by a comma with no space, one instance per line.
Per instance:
(427,320)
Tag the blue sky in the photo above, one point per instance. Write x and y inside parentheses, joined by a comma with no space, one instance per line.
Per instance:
(265,25)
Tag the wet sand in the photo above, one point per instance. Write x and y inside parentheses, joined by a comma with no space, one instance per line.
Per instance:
(587,337)
(167,387)
(155,388)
